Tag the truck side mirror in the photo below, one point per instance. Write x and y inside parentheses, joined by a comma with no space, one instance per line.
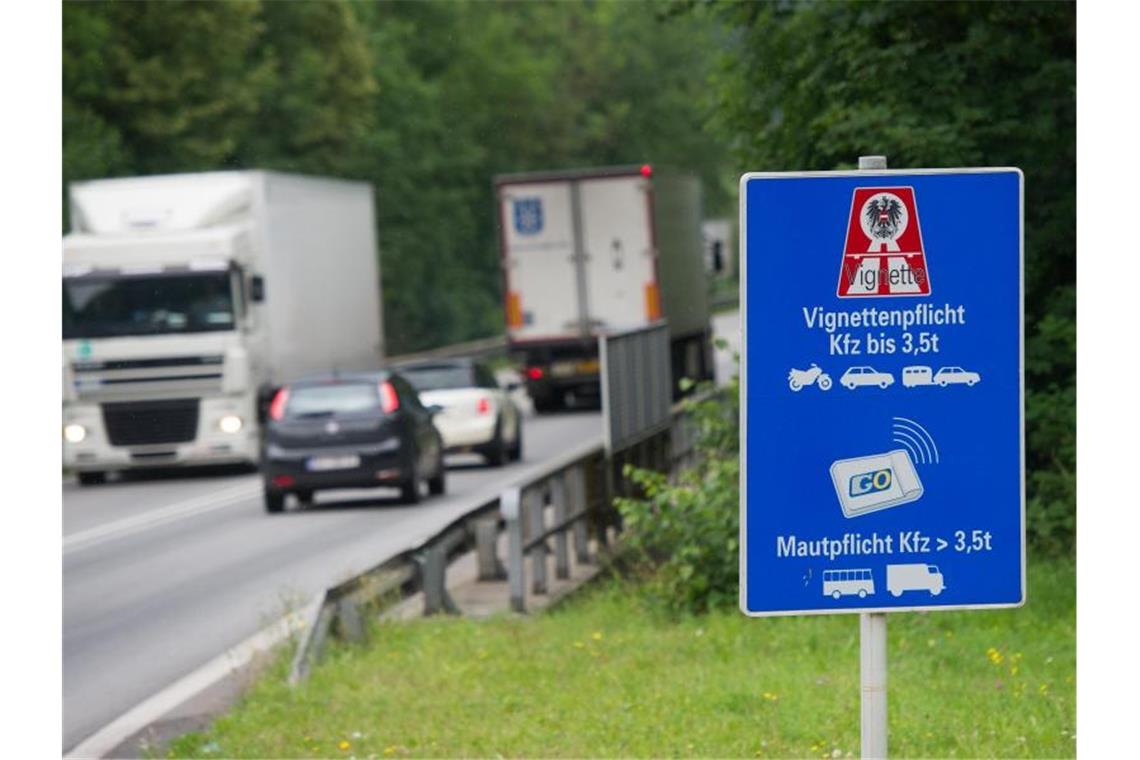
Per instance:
(257,288)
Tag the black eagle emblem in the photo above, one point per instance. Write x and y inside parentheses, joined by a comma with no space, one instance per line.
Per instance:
(883,217)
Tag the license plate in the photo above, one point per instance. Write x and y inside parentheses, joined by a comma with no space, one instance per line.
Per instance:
(320,464)
(570,368)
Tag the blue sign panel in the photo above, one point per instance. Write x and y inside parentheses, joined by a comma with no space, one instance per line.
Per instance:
(528,216)
(882,436)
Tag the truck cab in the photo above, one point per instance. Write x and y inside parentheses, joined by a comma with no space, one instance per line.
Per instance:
(171,344)
(159,333)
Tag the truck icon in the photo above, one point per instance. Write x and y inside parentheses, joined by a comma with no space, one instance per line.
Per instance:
(917,577)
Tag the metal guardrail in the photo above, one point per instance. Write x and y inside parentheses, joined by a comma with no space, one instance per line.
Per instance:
(483,347)
(571,497)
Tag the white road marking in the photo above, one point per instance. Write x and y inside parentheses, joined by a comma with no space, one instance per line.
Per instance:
(178,511)
(153,708)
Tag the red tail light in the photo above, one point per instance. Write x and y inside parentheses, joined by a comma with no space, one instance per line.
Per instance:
(389,401)
(483,406)
(277,407)
(283,481)
(534,373)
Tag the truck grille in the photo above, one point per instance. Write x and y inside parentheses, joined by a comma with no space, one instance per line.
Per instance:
(166,376)
(136,423)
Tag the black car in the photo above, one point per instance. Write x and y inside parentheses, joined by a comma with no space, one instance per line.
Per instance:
(350,431)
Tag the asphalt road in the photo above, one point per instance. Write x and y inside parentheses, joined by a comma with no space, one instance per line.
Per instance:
(160,575)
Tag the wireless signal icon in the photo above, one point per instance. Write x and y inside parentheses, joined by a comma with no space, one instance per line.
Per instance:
(916,439)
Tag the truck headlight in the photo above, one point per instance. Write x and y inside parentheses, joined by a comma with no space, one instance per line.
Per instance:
(74,433)
(231,423)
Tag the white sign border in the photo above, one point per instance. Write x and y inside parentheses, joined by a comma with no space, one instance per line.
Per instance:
(743,269)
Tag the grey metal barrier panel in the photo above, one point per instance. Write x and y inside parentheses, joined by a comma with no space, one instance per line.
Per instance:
(482,348)
(637,384)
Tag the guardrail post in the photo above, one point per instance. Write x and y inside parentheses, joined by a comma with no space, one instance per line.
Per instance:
(312,640)
(487,550)
(349,623)
(434,567)
(576,494)
(535,503)
(604,504)
(561,545)
(510,507)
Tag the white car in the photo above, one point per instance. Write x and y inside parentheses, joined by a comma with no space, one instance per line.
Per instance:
(474,414)
(956,375)
(857,376)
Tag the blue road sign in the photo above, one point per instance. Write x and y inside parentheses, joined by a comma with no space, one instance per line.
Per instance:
(882,391)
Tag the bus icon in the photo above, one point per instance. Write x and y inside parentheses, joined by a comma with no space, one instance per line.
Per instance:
(857,582)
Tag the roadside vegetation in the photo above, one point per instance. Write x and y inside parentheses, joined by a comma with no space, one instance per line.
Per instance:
(606,677)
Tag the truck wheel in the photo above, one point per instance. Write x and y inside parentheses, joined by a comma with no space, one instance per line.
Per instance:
(92,478)
(410,488)
(274,501)
(438,485)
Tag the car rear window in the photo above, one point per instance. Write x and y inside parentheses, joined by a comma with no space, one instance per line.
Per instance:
(338,398)
(439,376)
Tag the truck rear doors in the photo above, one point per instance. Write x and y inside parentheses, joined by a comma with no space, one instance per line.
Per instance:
(578,256)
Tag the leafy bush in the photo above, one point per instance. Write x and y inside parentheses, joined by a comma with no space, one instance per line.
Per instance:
(684,533)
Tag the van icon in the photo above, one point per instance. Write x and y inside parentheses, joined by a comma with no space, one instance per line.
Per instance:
(918,375)
(917,577)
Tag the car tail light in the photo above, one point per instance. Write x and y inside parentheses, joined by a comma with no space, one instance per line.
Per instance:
(534,373)
(483,406)
(277,408)
(389,401)
(283,481)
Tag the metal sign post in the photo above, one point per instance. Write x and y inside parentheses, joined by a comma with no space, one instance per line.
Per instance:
(882,399)
(873,641)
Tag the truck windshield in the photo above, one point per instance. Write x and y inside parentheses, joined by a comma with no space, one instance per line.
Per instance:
(118,305)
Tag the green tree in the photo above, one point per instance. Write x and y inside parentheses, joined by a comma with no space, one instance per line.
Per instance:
(814,86)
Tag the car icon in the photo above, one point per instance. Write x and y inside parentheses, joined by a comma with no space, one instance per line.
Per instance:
(856,376)
(956,376)
(919,375)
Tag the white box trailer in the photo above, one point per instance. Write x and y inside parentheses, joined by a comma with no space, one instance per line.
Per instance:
(593,251)
(187,299)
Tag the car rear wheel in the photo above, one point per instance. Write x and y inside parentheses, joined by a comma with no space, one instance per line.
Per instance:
(305,498)
(410,488)
(497,451)
(437,486)
(274,501)
(516,447)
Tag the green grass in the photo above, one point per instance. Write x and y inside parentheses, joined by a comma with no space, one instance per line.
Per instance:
(605,677)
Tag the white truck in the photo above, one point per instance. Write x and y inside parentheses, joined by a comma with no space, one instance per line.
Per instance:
(189,298)
(600,250)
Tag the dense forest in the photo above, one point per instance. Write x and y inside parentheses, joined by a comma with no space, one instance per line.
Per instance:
(428,101)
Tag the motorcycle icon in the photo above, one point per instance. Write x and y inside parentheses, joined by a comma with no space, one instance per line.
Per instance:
(799,378)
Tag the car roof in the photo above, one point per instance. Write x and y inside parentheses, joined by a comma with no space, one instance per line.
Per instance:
(332,378)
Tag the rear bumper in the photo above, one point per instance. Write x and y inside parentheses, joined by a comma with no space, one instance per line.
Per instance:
(461,433)
(581,387)
(376,468)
